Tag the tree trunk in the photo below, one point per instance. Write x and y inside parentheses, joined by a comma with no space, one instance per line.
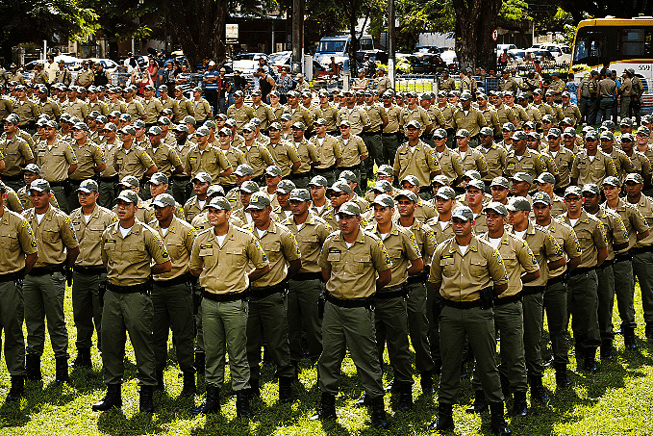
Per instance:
(199,26)
(475,21)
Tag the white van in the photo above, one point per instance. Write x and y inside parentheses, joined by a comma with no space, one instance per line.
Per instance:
(338,47)
(501,47)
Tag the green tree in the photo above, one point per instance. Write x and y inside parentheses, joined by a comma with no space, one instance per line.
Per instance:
(55,21)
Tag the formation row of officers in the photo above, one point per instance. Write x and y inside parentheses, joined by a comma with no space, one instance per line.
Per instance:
(353,273)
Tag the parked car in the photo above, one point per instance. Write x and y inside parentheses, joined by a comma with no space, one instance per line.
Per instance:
(108,64)
(247,63)
(449,56)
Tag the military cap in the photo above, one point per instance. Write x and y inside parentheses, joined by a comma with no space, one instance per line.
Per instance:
(220,203)
(521,176)
(385,170)
(472,174)
(519,135)
(446,192)
(413,180)
(348,175)
(497,207)
(183,128)
(32,168)
(413,124)
(500,181)
(130,181)
(164,200)
(554,133)
(476,183)
(407,194)
(88,186)
(541,197)
(382,186)
(510,127)
(487,131)
(591,188)
(298,125)
(462,213)
(573,190)
(440,134)
(634,177)
(546,177)
(159,179)
(340,186)
(154,131)
(463,133)
(299,195)
(519,204)
(203,177)
(612,181)
(128,196)
(202,131)
(259,201)
(320,181)
(249,187)
(285,186)
(384,200)
(215,190)
(350,208)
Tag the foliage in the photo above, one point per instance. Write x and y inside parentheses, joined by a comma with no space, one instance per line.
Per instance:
(36,20)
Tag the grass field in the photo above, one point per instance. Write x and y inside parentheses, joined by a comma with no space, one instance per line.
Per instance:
(617,400)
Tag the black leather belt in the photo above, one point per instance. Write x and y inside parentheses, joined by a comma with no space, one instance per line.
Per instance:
(555,280)
(579,271)
(417,278)
(10,277)
(12,178)
(391,134)
(324,170)
(606,263)
(143,287)
(530,290)
(181,178)
(351,168)
(44,270)
(393,292)
(507,300)
(89,270)
(173,282)
(461,304)
(639,250)
(300,277)
(113,179)
(350,303)
(61,184)
(224,298)
(296,176)
(258,293)
(627,256)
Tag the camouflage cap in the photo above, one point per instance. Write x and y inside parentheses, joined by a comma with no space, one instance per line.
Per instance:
(159,179)
(541,197)
(320,181)
(446,192)
(285,187)
(410,178)
(546,177)
(40,185)
(340,186)
(634,177)
(220,203)
(497,207)
(406,194)
(463,213)
(476,183)
(382,186)
(128,196)
(259,201)
(384,200)
(300,195)
(348,175)
(349,208)
(164,200)
(519,204)
(591,188)
(249,187)
(521,176)
(612,181)
(500,181)
(88,186)
(572,191)
(32,168)
(203,177)
(130,181)
(273,171)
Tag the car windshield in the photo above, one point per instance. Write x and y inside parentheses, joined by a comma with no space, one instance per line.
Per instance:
(334,46)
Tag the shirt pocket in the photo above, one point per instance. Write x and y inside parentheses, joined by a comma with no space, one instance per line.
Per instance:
(50,236)
(510,261)
(361,263)
(206,253)
(174,249)
(9,241)
(273,252)
(136,254)
(478,267)
(448,267)
(235,257)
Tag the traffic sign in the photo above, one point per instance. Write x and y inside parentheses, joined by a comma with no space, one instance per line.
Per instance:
(495,35)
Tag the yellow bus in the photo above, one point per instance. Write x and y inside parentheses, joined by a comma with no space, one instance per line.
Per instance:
(618,43)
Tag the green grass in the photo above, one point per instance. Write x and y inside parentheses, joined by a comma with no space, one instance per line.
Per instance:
(614,401)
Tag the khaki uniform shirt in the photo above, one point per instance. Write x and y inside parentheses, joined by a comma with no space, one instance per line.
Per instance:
(447,84)
(328,148)
(89,156)
(504,114)
(16,240)
(353,269)
(591,236)
(592,171)
(566,238)
(307,155)
(89,234)
(356,116)
(425,238)
(353,149)
(622,163)
(517,258)
(76,108)
(170,103)
(110,156)
(202,109)
(645,206)
(310,238)
(450,163)
(16,152)
(135,109)
(558,206)
(24,201)
(417,114)
(284,155)
(420,161)
(395,122)
(571,111)
(545,248)
(225,268)
(264,113)
(531,162)
(179,242)
(235,158)
(99,106)
(152,108)
(402,248)
(63,76)
(54,161)
(441,233)
(184,108)
(615,231)
(473,160)
(461,277)
(641,164)
(280,247)
(496,159)
(381,84)
(607,88)
(165,158)
(242,115)
(564,160)
(128,259)
(211,159)
(192,208)
(85,77)
(376,113)
(258,157)
(53,236)
(632,219)
(132,162)
(509,84)
(27,111)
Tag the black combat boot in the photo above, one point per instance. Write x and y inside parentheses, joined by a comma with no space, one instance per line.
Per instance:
(480,403)
(33,367)
(189,385)
(606,349)
(405,392)
(537,390)
(629,338)
(159,381)
(327,408)
(426,381)
(17,388)
(285,390)
(212,402)
(497,420)
(200,362)
(590,360)
(83,359)
(61,369)
(562,381)
(146,404)
(111,399)
(378,413)
(242,404)
(520,408)
(445,418)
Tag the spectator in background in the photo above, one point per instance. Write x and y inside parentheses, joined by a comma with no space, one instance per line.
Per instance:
(223,85)
(572,88)
(285,84)
(140,79)
(153,70)
(503,59)
(334,68)
(239,83)
(102,77)
(211,81)
(168,75)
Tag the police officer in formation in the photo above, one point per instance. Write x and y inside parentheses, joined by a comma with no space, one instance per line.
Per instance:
(406,270)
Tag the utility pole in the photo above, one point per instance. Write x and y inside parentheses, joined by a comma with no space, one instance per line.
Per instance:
(391,42)
(297,35)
